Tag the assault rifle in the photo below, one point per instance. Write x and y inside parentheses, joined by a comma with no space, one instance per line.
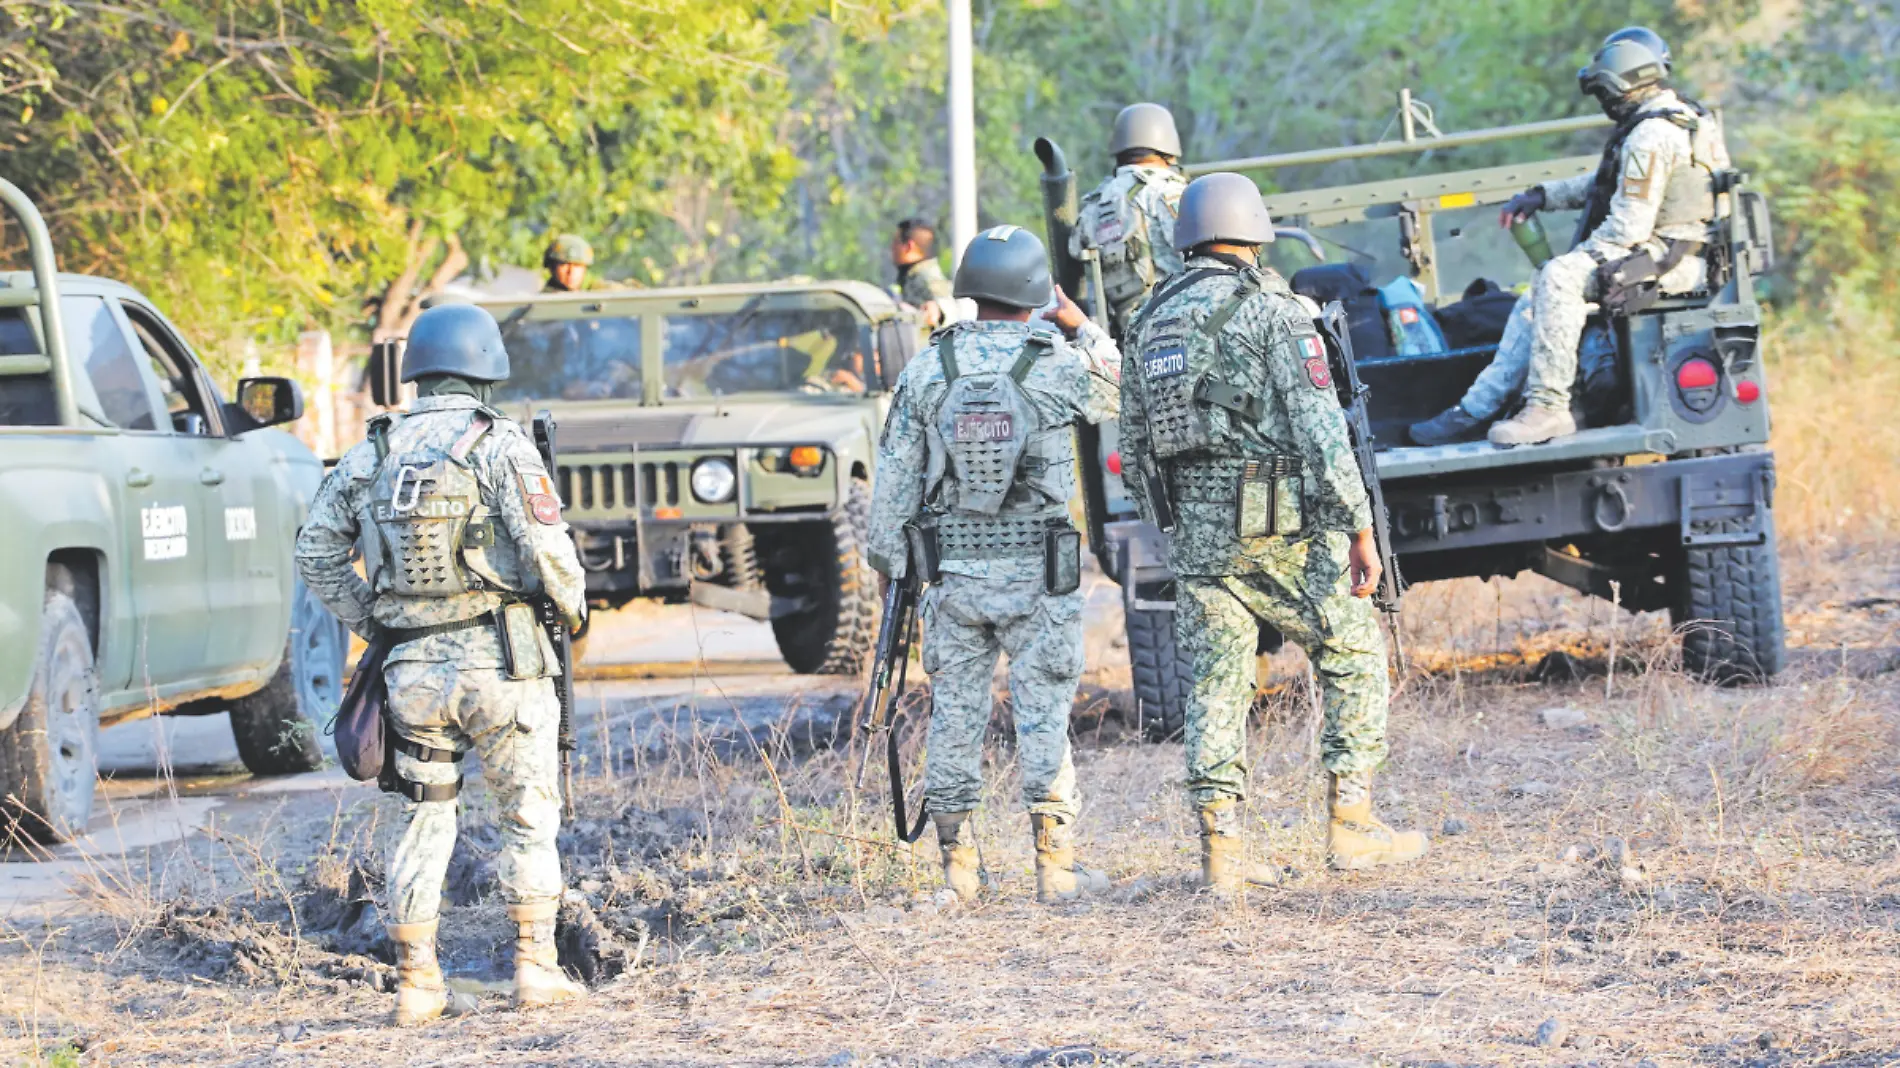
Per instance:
(880,712)
(1352,398)
(551,620)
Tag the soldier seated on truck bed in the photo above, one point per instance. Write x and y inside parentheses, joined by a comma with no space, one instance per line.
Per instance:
(1646,215)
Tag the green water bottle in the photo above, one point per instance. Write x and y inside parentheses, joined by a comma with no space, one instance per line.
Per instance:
(1529,235)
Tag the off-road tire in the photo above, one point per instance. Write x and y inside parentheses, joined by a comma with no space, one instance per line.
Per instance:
(1162,673)
(836,635)
(1727,607)
(276,727)
(49,754)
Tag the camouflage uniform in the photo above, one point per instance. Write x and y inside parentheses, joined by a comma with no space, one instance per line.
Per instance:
(1538,353)
(1228,585)
(1154,195)
(922,284)
(449,690)
(981,607)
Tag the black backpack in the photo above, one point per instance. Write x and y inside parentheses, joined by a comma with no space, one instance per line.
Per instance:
(1351,285)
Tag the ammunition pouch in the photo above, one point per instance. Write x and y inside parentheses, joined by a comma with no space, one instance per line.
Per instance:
(520,632)
(1062,557)
(1264,493)
(926,554)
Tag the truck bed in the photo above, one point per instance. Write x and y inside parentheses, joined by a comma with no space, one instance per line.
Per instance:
(1416,462)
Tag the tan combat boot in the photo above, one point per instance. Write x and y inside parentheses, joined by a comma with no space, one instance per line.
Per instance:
(420,993)
(956,840)
(1534,425)
(538,976)
(1225,868)
(1355,839)
(1058,876)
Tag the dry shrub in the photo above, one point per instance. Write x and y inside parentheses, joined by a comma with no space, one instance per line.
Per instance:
(1835,435)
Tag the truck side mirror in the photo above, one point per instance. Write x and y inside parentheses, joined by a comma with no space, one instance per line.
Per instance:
(385,373)
(265,402)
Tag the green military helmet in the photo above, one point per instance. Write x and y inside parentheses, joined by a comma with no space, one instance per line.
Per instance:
(568,248)
(1224,207)
(1624,68)
(456,339)
(1148,126)
(1006,265)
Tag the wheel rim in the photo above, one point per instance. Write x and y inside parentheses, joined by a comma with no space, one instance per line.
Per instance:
(317,650)
(72,734)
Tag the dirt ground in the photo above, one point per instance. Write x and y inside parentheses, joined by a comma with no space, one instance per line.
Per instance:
(1627,867)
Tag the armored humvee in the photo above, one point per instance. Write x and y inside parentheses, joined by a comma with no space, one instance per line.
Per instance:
(147,554)
(717,445)
(1663,501)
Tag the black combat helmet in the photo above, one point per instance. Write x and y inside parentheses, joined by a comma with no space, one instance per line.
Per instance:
(1222,207)
(1646,37)
(1622,70)
(455,339)
(1148,126)
(1006,265)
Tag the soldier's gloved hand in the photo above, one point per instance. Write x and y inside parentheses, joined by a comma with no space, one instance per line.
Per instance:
(1522,206)
(1363,564)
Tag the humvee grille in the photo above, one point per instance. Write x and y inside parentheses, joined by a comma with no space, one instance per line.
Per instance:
(605,487)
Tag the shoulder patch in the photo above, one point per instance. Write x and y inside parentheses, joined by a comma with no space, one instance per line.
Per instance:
(1639,167)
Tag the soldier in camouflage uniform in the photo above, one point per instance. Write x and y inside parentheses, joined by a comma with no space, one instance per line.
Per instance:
(458,522)
(567,259)
(979,444)
(1228,400)
(1127,222)
(920,280)
(1652,198)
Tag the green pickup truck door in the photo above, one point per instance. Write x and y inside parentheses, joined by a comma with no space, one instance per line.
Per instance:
(245,584)
(162,502)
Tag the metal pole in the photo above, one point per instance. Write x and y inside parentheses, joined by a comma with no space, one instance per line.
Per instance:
(962,133)
(1395,148)
(39,245)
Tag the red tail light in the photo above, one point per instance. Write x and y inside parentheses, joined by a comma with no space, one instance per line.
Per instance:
(1696,374)
(1747,392)
(1113,463)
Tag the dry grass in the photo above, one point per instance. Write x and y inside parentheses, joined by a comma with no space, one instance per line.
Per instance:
(1836,439)
(1690,876)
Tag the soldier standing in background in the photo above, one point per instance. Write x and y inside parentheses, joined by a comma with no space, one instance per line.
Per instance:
(1227,394)
(458,523)
(1127,222)
(1646,215)
(567,259)
(979,455)
(920,280)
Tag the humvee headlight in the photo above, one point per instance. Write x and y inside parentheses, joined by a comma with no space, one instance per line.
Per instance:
(714,480)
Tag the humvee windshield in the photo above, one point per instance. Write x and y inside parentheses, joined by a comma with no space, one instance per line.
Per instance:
(751,349)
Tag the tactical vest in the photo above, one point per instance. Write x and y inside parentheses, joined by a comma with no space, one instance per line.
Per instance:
(430,533)
(1689,198)
(985,438)
(1112,224)
(1192,405)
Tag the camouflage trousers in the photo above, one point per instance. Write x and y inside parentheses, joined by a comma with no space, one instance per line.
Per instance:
(1309,600)
(513,727)
(1538,353)
(967,622)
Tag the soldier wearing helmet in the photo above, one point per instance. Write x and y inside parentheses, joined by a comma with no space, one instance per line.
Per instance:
(1229,411)
(1646,209)
(567,259)
(458,523)
(1127,222)
(978,457)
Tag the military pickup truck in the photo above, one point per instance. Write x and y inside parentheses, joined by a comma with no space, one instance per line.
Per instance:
(1664,500)
(717,444)
(148,527)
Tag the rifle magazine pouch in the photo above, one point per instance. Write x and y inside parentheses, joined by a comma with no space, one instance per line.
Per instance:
(1267,499)
(520,634)
(926,553)
(1062,559)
